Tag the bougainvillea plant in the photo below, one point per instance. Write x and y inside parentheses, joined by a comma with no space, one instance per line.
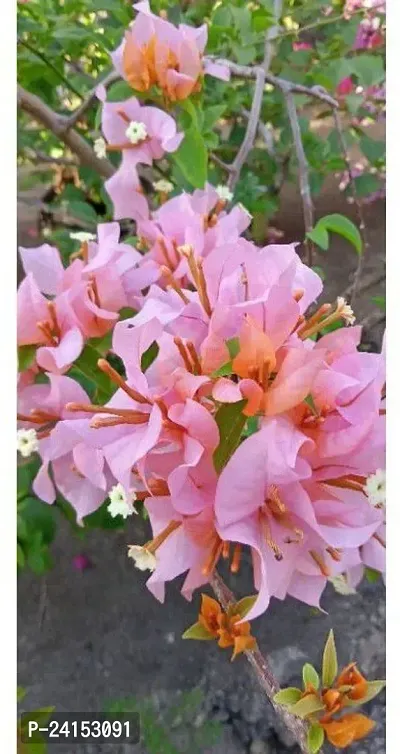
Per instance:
(181,372)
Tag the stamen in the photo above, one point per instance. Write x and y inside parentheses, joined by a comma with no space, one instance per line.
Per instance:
(226,550)
(268,536)
(301,320)
(25,418)
(94,288)
(275,503)
(158,487)
(124,413)
(264,375)
(183,352)
(237,554)
(202,290)
(346,483)
(45,328)
(164,250)
(115,421)
(298,294)
(174,284)
(155,543)
(105,367)
(124,116)
(55,328)
(196,361)
(319,560)
(314,320)
(168,424)
(343,311)
(213,557)
(334,553)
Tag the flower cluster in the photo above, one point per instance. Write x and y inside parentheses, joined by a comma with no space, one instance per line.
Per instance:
(326,702)
(238,418)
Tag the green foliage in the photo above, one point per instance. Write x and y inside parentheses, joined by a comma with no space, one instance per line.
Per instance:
(310,676)
(288,697)
(230,420)
(315,738)
(329,661)
(336,224)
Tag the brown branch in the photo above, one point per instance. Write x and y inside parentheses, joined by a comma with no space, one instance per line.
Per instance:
(262,670)
(304,180)
(58,124)
(250,72)
(271,35)
(251,130)
(356,285)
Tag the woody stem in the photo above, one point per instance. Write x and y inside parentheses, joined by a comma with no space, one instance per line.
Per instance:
(262,670)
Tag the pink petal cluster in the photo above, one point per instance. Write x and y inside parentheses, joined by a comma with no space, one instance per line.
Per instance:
(59,308)
(228,326)
(157,53)
(155,135)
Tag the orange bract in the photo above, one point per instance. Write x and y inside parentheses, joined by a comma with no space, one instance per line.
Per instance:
(351,676)
(224,627)
(342,733)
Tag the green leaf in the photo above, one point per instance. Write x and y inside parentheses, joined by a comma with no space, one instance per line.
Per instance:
(310,676)
(233,346)
(373,150)
(38,516)
(309,400)
(86,364)
(83,211)
(371,575)
(373,689)
(119,91)
(230,421)
(329,661)
(308,705)
(192,157)
(149,356)
(20,556)
(26,357)
(197,631)
(315,738)
(211,115)
(368,68)
(336,224)
(319,236)
(288,696)
(244,605)
(223,371)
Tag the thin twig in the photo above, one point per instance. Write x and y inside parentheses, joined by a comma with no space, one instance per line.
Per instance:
(326,21)
(59,126)
(262,670)
(250,72)
(50,65)
(362,226)
(251,130)
(91,97)
(304,180)
(271,35)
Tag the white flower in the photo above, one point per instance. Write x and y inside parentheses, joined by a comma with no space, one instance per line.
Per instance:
(345,311)
(375,489)
(341,585)
(100,148)
(144,559)
(121,502)
(164,187)
(27,442)
(224,193)
(242,207)
(82,237)
(136,132)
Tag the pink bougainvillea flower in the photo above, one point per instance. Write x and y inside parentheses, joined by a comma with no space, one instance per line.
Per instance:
(155,52)
(142,134)
(51,325)
(82,562)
